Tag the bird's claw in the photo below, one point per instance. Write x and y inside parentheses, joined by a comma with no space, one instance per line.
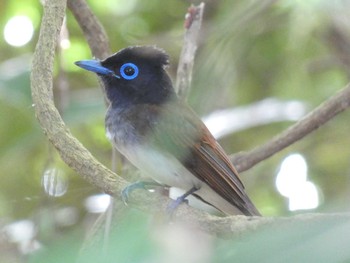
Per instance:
(181,199)
(138,185)
(173,205)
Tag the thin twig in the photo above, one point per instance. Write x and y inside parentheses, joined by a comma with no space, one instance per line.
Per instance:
(193,21)
(316,118)
(92,29)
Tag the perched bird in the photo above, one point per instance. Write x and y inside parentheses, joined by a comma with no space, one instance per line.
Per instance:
(161,135)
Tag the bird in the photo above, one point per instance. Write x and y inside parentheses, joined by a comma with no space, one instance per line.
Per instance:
(161,135)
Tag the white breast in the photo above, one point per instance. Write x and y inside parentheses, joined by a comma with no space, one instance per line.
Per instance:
(167,170)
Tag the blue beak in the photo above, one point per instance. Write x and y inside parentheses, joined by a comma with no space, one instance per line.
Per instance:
(95,66)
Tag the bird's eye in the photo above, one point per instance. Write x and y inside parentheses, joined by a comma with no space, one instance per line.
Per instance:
(129,71)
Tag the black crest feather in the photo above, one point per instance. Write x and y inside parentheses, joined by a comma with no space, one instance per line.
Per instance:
(149,54)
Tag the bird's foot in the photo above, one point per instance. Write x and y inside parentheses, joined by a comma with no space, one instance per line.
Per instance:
(138,185)
(181,199)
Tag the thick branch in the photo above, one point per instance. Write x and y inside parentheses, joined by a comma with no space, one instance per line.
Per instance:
(193,21)
(70,149)
(316,118)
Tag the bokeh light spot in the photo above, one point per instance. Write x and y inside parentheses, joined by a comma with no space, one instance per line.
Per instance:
(292,182)
(18,31)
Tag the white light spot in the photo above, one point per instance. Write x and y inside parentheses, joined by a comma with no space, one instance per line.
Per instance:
(305,198)
(292,183)
(292,174)
(20,230)
(55,182)
(109,135)
(97,203)
(227,121)
(22,233)
(65,43)
(18,31)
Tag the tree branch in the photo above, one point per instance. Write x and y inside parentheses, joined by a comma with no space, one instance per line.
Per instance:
(70,149)
(94,33)
(92,29)
(316,118)
(193,21)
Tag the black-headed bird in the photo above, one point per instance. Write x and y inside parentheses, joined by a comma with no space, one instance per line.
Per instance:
(161,135)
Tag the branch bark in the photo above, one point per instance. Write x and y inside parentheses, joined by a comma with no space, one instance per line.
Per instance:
(92,29)
(94,33)
(70,149)
(312,121)
(193,22)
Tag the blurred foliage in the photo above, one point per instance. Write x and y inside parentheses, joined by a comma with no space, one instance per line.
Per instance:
(136,239)
(249,50)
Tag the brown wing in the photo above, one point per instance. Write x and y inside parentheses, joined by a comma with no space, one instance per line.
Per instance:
(181,132)
(215,168)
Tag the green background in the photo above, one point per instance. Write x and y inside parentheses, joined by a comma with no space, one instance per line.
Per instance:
(248,51)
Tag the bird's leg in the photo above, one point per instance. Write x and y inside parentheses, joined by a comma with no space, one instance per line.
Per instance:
(175,203)
(137,185)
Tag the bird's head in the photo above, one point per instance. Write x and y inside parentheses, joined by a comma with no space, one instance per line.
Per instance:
(134,75)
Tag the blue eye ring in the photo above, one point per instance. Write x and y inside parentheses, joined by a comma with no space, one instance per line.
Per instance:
(129,71)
